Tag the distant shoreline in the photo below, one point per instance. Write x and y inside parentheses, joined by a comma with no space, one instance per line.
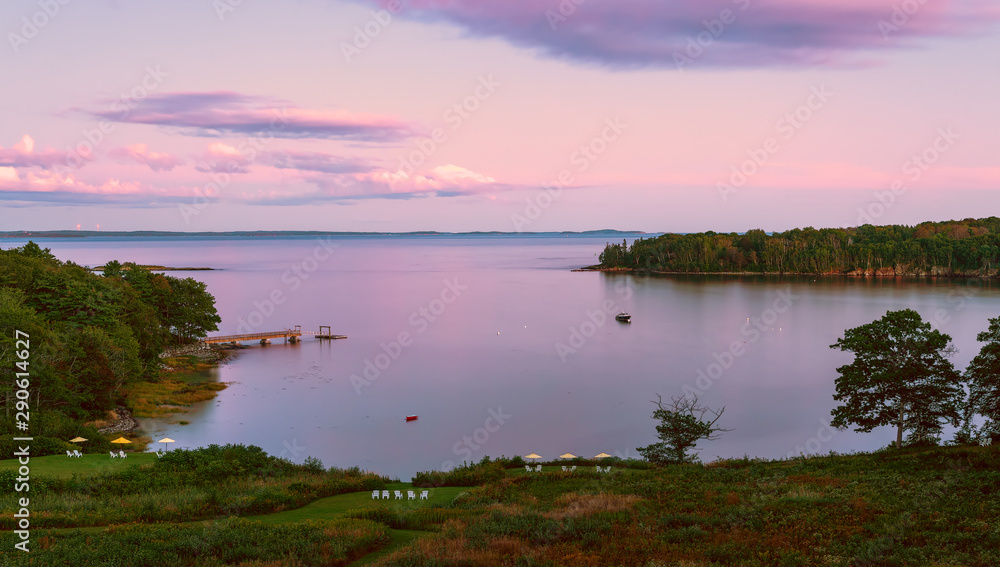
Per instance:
(160,268)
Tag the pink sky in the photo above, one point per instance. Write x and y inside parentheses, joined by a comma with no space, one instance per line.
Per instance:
(520,115)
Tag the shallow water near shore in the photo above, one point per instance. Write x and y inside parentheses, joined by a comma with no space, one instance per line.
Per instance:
(500,348)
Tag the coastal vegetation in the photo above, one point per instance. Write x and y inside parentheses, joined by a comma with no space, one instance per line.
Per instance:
(970,247)
(92,338)
(682,424)
(910,506)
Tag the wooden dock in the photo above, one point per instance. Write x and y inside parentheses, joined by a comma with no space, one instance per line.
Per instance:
(328,334)
(289,335)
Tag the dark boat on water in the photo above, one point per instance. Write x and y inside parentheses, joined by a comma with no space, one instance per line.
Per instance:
(623,317)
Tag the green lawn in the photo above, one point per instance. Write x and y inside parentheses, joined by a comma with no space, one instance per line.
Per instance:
(331,507)
(62,466)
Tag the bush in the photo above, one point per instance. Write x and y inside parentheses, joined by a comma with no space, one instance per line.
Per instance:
(40,446)
(465,475)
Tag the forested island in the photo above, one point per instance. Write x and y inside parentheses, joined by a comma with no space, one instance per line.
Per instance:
(92,338)
(969,247)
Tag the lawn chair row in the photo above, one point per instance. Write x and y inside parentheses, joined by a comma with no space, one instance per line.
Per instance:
(120,455)
(538,468)
(74,453)
(410,495)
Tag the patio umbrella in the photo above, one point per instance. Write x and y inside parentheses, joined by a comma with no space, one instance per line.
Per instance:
(77,440)
(533,456)
(120,441)
(567,456)
(601,456)
(166,440)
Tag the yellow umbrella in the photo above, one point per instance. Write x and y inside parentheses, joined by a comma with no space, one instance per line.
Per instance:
(77,440)
(166,440)
(601,456)
(533,456)
(120,440)
(567,456)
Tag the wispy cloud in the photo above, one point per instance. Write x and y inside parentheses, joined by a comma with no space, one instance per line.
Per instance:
(139,153)
(47,187)
(639,33)
(223,158)
(227,113)
(314,161)
(442,181)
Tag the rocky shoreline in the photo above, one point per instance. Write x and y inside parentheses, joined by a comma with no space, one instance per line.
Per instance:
(867,273)
(125,423)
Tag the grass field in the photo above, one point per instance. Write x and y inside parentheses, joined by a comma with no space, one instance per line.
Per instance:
(929,506)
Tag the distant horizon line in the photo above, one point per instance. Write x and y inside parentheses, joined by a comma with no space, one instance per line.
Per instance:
(72,233)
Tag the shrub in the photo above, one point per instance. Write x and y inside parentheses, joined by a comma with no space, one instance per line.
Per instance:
(227,542)
(465,475)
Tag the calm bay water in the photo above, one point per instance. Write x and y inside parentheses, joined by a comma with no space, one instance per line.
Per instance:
(506,351)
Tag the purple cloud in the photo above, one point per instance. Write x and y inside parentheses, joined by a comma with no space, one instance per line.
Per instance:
(234,114)
(314,161)
(727,33)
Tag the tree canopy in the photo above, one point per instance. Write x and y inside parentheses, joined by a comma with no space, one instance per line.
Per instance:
(900,376)
(968,247)
(90,335)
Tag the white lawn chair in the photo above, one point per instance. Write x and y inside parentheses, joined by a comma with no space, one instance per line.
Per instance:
(122,454)
(385,494)
(607,469)
(572,469)
(77,454)
(159,455)
(538,468)
(527,468)
(985,442)
(113,455)
(399,495)
(423,495)
(375,495)
(598,469)
(410,495)
(564,468)
(68,454)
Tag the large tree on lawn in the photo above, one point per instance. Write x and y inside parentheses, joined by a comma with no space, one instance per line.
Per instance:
(900,376)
